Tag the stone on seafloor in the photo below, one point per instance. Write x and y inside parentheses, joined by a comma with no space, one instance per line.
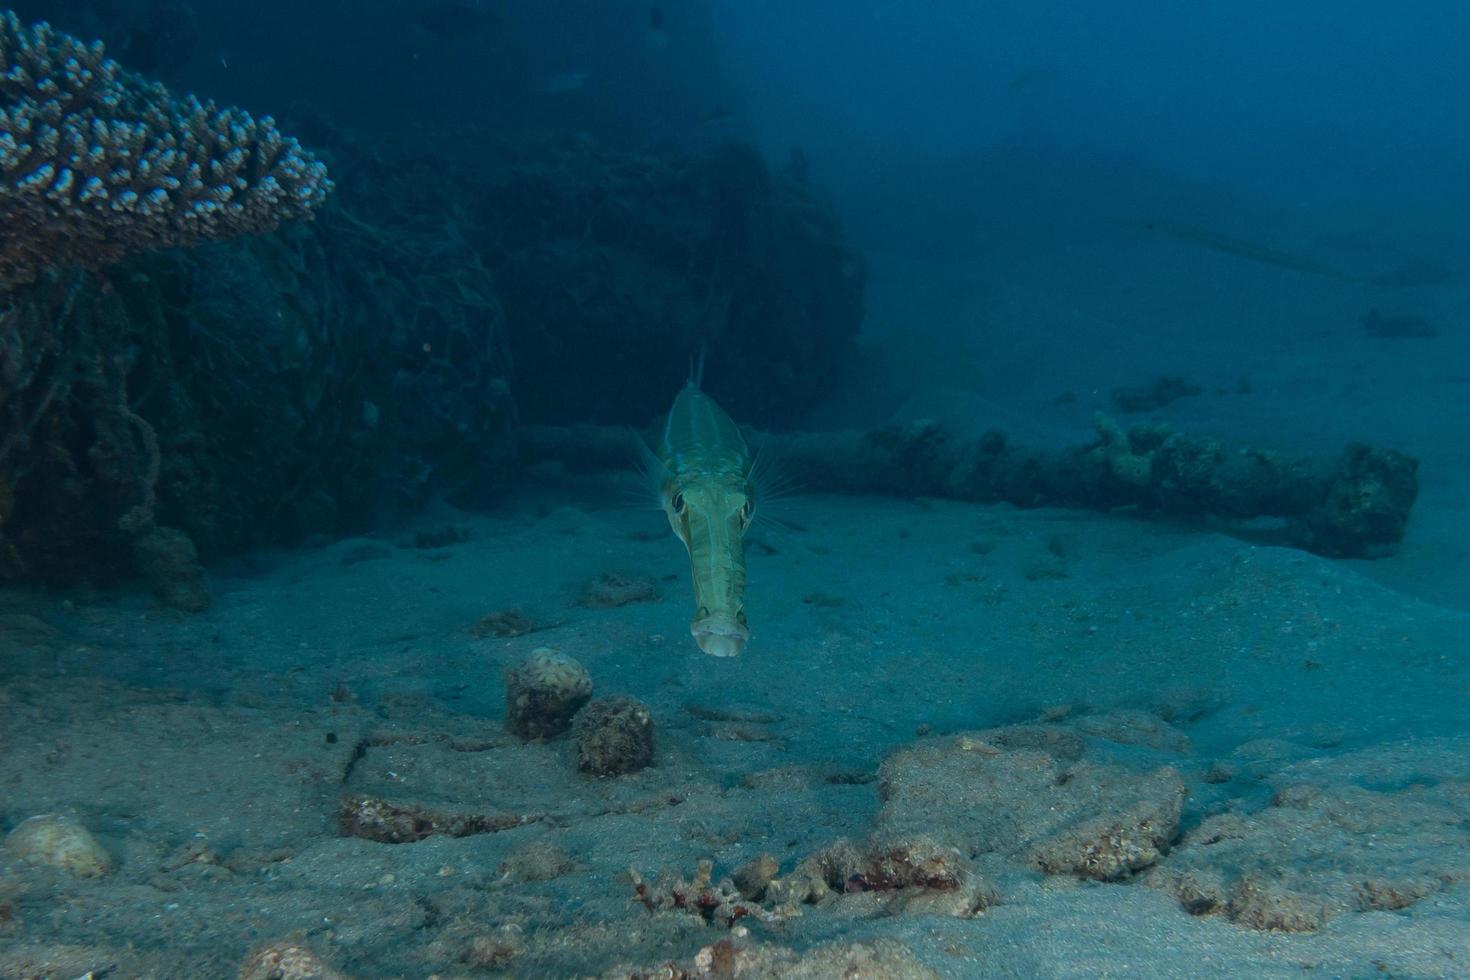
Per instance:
(286,961)
(614,736)
(59,841)
(752,878)
(169,562)
(543,692)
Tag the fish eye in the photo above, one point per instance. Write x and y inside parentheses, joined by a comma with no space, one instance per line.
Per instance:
(677,502)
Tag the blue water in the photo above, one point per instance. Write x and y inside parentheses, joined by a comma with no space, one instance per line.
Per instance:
(284,516)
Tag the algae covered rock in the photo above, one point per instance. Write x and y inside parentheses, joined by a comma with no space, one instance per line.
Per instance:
(543,692)
(1022,793)
(169,562)
(59,841)
(614,736)
(286,961)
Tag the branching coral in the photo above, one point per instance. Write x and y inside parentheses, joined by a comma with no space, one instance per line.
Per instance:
(97,162)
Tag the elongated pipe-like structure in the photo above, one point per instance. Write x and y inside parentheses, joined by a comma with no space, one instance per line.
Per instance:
(1355,504)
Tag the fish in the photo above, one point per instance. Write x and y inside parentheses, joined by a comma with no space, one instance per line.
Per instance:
(719,114)
(1033,78)
(564,82)
(704,471)
(1414,272)
(657,36)
(452,18)
(1239,248)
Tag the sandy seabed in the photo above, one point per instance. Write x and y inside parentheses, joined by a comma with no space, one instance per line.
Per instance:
(1054,744)
(964,740)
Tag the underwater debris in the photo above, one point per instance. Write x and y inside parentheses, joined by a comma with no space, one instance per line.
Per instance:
(1354,505)
(614,736)
(1396,325)
(543,693)
(1164,390)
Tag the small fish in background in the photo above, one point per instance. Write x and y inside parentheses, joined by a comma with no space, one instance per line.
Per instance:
(1033,78)
(163,43)
(1236,247)
(1414,272)
(1396,325)
(657,36)
(452,18)
(798,167)
(719,114)
(565,81)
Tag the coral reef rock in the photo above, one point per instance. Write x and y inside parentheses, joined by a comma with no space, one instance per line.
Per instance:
(614,736)
(1005,792)
(286,961)
(169,562)
(60,841)
(543,692)
(1348,834)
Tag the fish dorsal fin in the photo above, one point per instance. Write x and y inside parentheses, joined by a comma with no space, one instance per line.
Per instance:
(696,369)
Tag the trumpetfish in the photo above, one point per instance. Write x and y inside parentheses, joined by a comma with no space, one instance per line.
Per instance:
(1238,247)
(705,476)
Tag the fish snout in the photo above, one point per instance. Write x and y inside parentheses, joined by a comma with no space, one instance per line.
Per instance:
(720,636)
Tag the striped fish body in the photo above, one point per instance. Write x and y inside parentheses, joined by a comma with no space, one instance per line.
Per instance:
(705,477)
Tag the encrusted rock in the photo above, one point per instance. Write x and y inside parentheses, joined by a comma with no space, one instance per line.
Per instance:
(1024,794)
(286,961)
(536,860)
(169,562)
(752,878)
(59,841)
(543,693)
(614,736)
(1341,834)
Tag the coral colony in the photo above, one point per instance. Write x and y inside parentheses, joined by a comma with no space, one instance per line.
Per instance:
(97,162)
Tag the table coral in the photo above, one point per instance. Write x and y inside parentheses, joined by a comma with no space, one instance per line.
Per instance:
(97,162)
